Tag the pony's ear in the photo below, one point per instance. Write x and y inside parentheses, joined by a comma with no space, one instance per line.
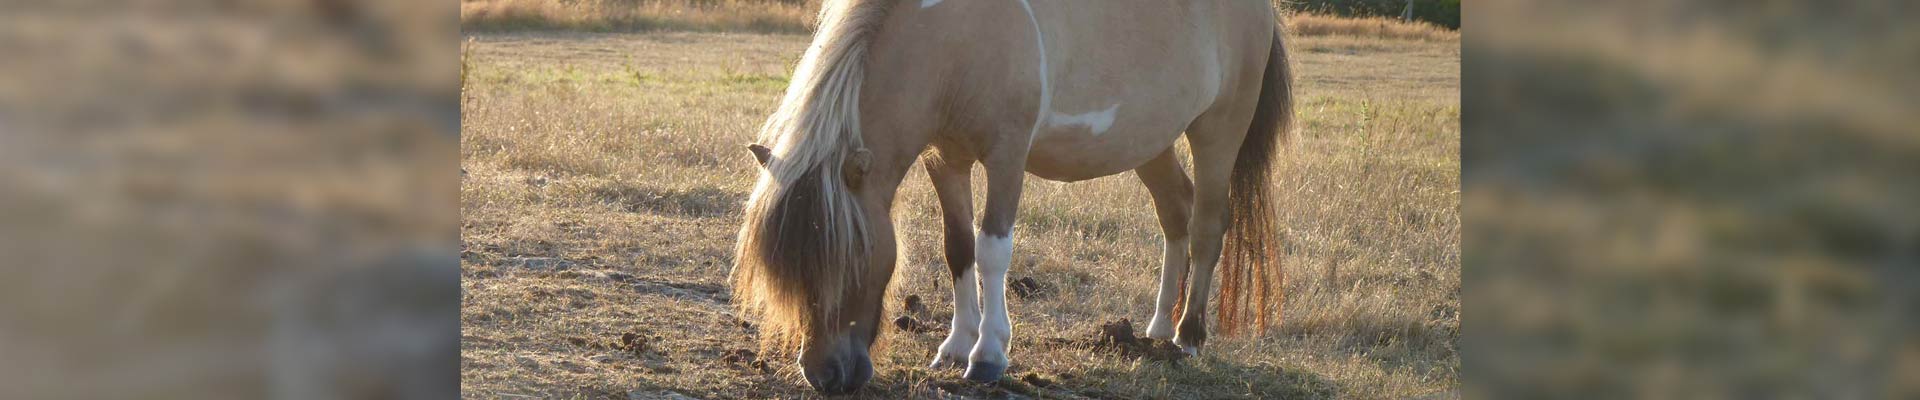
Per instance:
(855,170)
(761,153)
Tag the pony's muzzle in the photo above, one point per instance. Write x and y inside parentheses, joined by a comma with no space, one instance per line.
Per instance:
(839,375)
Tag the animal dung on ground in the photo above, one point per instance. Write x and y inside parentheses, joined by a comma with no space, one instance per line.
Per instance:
(644,348)
(1032,378)
(1028,288)
(738,356)
(906,323)
(1118,337)
(635,343)
(746,358)
(914,306)
(1117,333)
(914,309)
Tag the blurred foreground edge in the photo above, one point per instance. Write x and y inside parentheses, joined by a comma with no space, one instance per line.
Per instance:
(207,199)
(1674,199)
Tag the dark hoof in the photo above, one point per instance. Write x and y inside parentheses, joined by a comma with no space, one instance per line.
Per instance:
(985,372)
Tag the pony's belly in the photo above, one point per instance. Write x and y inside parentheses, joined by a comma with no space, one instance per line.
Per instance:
(1077,156)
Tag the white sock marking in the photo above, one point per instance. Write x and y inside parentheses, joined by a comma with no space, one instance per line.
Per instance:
(966,320)
(995,256)
(1096,122)
(1173,267)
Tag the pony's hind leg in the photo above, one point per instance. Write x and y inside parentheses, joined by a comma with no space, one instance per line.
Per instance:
(952,183)
(1215,147)
(1172,200)
(994,256)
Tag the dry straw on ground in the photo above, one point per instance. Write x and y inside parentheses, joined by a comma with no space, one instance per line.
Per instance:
(1310,24)
(636,15)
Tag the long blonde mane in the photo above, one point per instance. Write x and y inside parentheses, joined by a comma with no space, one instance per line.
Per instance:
(803,244)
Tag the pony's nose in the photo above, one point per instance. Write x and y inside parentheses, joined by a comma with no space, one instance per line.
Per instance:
(825,379)
(859,373)
(839,377)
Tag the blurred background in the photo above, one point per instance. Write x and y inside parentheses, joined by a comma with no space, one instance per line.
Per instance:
(228,199)
(1691,199)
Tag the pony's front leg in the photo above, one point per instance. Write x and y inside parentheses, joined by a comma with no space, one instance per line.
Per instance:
(994,255)
(966,321)
(952,183)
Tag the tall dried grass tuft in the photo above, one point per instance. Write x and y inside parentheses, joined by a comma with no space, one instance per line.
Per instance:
(1311,24)
(637,15)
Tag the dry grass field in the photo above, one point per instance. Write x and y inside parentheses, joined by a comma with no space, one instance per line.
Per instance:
(603,176)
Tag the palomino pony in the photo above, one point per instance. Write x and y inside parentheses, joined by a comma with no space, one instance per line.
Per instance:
(1064,90)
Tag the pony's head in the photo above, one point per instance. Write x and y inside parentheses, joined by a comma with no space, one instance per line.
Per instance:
(814,259)
(816,250)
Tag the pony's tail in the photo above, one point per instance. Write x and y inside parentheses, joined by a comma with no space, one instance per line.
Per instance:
(1251,277)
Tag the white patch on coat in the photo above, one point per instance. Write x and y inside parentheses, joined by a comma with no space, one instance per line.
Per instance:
(1096,122)
(929,3)
(1046,89)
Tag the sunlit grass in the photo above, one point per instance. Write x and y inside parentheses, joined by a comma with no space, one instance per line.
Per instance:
(635,15)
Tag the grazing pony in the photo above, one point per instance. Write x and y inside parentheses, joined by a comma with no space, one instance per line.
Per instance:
(1065,90)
